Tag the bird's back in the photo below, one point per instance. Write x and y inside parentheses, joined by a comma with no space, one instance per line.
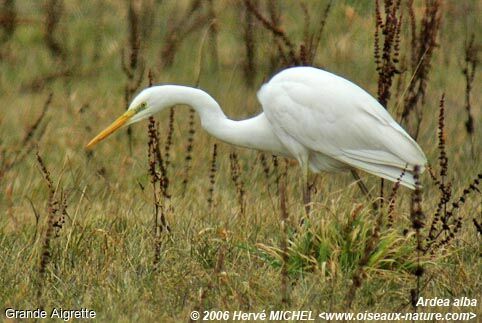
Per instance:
(330,115)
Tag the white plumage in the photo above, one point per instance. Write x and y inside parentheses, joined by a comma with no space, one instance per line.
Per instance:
(334,125)
(324,121)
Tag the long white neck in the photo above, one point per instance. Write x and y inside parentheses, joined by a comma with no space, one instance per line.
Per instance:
(255,133)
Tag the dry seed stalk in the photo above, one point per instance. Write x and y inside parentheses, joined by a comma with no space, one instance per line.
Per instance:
(213,32)
(440,211)
(452,224)
(150,77)
(134,36)
(52,211)
(307,22)
(445,224)
(472,187)
(191,21)
(53,13)
(59,221)
(275,161)
(444,187)
(422,48)
(238,182)
(443,160)
(285,292)
(303,54)
(417,217)
(154,179)
(277,31)
(279,54)
(212,176)
(440,180)
(154,144)
(168,144)
(31,130)
(39,83)
(147,17)
(478,225)
(133,66)
(159,184)
(471,61)
(155,151)
(189,147)
(57,210)
(249,66)
(8,19)
(264,164)
(274,12)
(416,214)
(286,47)
(311,41)
(33,134)
(387,61)
(392,198)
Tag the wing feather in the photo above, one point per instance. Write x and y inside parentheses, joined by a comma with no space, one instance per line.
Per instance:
(328,114)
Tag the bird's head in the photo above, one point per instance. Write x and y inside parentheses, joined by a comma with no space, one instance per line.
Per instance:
(144,105)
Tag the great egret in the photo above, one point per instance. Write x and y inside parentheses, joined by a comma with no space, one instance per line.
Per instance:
(324,121)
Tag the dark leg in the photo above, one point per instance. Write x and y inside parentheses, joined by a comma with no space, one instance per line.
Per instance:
(360,184)
(363,188)
(306,192)
(307,198)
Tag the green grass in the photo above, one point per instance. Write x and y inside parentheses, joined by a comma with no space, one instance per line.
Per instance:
(102,258)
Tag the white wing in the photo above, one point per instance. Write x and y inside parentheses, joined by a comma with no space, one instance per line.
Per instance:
(330,115)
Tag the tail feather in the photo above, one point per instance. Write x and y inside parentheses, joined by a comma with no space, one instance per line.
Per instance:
(392,173)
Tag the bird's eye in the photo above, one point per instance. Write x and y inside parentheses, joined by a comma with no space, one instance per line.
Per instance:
(141,107)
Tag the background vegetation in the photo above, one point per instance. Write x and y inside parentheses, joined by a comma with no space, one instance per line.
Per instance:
(105,230)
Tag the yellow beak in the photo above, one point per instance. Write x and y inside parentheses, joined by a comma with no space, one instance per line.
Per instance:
(119,122)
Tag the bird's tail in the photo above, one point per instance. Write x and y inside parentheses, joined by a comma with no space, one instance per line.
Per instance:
(392,173)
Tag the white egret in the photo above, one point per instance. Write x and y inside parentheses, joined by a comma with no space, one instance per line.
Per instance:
(324,121)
